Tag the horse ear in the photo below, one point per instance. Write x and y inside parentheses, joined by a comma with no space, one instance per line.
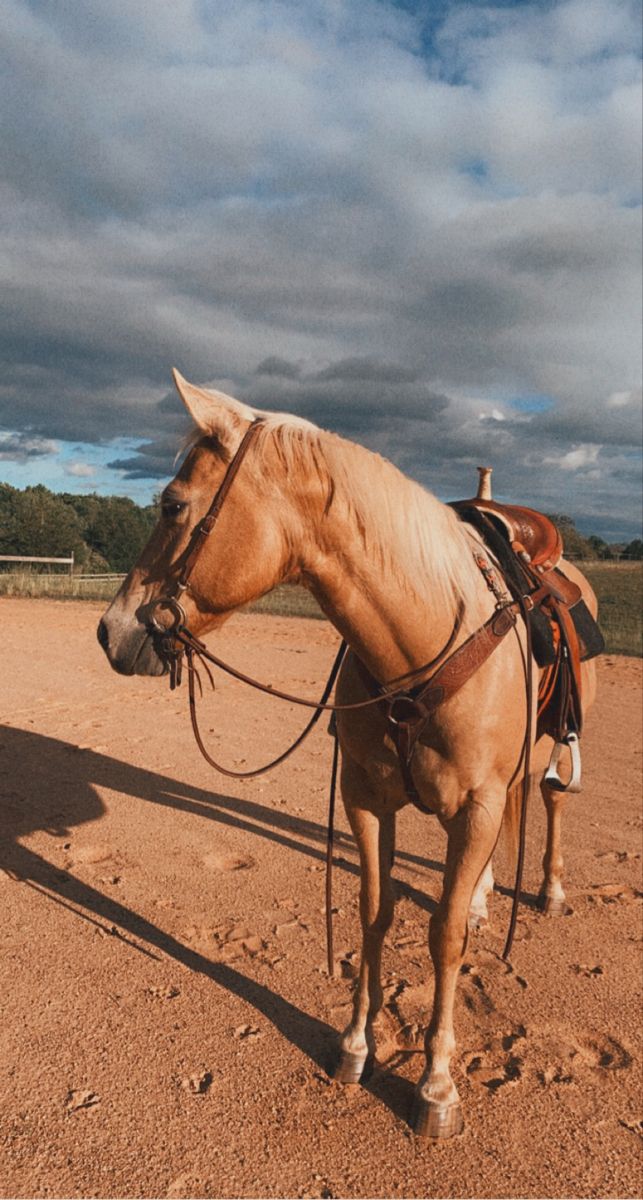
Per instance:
(215,413)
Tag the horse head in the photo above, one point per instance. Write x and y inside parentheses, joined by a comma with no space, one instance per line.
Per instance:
(251,551)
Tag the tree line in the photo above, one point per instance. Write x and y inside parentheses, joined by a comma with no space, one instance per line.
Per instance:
(107,533)
(104,533)
(593,547)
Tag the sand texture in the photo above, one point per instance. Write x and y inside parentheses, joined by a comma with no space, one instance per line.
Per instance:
(167,1023)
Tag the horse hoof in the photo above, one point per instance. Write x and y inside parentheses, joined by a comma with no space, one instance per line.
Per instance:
(352,1068)
(553,906)
(432,1120)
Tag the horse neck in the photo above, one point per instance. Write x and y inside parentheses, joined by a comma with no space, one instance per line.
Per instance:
(394,619)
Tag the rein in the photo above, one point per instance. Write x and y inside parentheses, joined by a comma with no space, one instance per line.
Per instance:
(409,700)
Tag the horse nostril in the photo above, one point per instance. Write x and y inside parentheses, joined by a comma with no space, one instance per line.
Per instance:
(102,634)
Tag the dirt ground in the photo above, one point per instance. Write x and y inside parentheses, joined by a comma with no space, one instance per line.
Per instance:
(167,1022)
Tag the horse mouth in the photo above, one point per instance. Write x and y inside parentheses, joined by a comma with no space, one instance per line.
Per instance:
(149,659)
(138,653)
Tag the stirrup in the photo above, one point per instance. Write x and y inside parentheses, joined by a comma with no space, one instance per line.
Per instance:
(552,778)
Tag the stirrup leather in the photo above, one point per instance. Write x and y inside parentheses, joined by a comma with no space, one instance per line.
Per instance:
(552,778)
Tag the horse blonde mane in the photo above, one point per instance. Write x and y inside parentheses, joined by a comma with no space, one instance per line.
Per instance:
(405,530)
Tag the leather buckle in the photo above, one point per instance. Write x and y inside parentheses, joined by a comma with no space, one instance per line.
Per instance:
(208,523)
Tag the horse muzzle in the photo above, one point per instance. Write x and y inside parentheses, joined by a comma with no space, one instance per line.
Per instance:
(131,651)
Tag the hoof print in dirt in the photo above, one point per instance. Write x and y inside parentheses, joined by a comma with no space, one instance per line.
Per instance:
(613,893)
(494,1076)
(80,1098)
(633,1126)
(228,862)
(164,993)
(198,1084)
(246,1033)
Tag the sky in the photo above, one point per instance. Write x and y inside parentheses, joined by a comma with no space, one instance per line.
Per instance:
(417,224)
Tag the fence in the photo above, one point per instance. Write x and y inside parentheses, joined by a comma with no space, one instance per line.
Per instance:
(110,577)
(24,558)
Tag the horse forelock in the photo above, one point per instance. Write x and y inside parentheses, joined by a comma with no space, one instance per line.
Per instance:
(271,421)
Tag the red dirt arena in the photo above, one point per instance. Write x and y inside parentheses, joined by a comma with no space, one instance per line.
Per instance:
(167,1020)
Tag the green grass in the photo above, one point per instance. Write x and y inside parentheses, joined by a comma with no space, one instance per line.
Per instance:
(32,585)
(619,587)
(287,601)
(283,601)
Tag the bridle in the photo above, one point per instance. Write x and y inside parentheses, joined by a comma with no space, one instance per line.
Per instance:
(176,639)
(171,603)
(408,701)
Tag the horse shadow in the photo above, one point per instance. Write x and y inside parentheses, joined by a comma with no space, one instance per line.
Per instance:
(29,762)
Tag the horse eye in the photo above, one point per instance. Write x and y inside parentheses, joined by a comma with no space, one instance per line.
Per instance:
(172,508)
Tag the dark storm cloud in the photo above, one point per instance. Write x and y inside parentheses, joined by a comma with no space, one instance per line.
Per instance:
(334,209)
(279,367)
(367,370)
(616,421)
(152,460)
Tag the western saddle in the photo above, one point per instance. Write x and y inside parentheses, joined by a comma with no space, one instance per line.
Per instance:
(528,549)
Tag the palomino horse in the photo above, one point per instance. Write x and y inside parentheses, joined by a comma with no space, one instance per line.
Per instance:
(391,567)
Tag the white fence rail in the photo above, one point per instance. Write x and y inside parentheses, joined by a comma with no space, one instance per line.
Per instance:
(104,577)
(110,577)
(26,558)
(74,578)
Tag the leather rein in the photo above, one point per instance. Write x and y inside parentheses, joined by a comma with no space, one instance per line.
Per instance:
(408,701)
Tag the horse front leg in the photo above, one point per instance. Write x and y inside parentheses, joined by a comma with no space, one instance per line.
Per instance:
(551,897)
(472,836)
(374,831)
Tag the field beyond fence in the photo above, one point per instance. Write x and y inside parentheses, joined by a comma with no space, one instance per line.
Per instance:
(618,586)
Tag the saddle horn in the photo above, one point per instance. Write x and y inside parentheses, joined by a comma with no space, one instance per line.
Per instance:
(484,483)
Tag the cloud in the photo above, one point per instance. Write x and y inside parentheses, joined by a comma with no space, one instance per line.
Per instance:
(579,459)
(391,221)
(150,460)
(80,470)
(279,367)
(367,370)
(618,424)
(629,400)
(20,447)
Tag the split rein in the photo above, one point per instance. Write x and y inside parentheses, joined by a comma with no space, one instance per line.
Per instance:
(410,700)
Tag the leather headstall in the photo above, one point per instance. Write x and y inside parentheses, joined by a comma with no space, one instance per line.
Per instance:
(172,649)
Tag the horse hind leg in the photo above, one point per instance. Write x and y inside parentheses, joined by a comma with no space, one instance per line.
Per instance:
(472,835)
(551,898)
(374,831)
(478,909)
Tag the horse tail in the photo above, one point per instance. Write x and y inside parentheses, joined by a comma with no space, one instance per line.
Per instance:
(511,818)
